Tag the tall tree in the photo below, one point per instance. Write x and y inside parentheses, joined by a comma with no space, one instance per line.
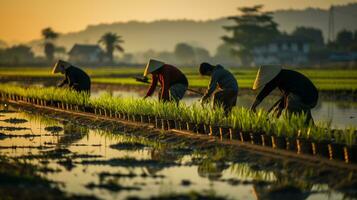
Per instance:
(49,36)
(252,28)
(17,54)
(313,34)
(185,53)
(111,41)
(344,39)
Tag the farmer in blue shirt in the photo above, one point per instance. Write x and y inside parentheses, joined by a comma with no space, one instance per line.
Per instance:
(223,86)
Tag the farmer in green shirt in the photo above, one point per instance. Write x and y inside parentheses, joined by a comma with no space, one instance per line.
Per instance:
(223,86)
(75,78)
(298,93)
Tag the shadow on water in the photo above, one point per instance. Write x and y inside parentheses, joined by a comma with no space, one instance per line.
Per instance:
(108,164)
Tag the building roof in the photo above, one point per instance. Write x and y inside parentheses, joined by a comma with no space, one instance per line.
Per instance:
(84,49)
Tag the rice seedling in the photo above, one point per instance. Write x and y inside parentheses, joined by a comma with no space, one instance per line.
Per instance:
(288,125)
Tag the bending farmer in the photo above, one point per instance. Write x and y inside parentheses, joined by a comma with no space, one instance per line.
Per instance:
(173,82)
(298,93)
(227,92)
(75,78)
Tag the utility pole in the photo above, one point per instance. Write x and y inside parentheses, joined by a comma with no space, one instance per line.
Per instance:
(331,25)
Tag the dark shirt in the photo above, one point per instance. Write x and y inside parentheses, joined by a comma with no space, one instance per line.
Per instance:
(289,81)
(167,76)
(76,79)
(223,79)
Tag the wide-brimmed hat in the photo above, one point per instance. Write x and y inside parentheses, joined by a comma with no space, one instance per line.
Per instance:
(152,66)
(265,74)
(60,64)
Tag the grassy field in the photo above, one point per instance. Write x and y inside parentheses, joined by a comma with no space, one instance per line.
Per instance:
(341,79)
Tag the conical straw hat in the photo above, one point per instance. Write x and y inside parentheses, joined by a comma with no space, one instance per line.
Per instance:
(265,75)
(152,66)
(60,64)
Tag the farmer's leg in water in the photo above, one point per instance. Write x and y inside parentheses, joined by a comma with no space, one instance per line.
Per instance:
(294,105)
(177,92)
(227,99)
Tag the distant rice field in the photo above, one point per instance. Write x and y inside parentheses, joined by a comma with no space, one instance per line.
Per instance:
(336,79)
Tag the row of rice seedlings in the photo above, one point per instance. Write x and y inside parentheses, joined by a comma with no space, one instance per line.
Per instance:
(348,136)
(48,94)
(240,118)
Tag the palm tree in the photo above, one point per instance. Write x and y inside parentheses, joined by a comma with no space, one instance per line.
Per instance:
(49,35)
(111,41)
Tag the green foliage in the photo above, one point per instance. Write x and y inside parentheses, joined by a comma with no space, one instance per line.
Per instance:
(111,41)
(252,28)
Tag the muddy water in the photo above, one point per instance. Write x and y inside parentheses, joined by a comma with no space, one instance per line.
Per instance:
(341,114)
(114,166)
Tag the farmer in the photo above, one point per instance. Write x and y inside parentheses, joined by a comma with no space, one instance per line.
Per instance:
(173,82)
(299,95)
(75,78)
(227,93)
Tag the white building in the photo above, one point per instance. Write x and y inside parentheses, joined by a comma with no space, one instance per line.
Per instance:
(286,50)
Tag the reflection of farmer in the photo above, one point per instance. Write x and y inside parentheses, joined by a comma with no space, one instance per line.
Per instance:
(75,78)
(173,82)
(298,93)
(228,86)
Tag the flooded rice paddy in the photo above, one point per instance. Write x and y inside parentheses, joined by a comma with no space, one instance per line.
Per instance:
(112,164)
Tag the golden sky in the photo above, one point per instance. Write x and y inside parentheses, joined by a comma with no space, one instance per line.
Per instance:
(22,20)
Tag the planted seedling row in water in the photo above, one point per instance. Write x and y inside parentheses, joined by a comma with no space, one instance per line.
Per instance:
(289,132)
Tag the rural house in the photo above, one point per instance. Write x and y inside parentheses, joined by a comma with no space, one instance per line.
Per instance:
(286,50)
(84,53)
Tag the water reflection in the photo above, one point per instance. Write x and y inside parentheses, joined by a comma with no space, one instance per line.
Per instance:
(110,165)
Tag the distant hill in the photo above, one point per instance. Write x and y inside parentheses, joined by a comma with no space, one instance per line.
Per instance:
(2,44)
(165,34)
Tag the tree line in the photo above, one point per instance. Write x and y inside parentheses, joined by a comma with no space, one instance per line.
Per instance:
(251,28)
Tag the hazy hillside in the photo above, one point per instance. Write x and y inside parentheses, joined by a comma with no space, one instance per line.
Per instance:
(163,35)
(2,44)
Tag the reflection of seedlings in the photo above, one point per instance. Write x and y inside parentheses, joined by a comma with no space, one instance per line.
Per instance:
(57,152)
(86,145)
(24,147)
(47,170)
(15,121)
(232,181)
(104,175)
(128,162)
(209,195)
(67,164)
(7,111)
(111,185)
(20,180)
(267,191)
(127,146)
(3,136)
(9,128)
(53,129)
(185,182)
